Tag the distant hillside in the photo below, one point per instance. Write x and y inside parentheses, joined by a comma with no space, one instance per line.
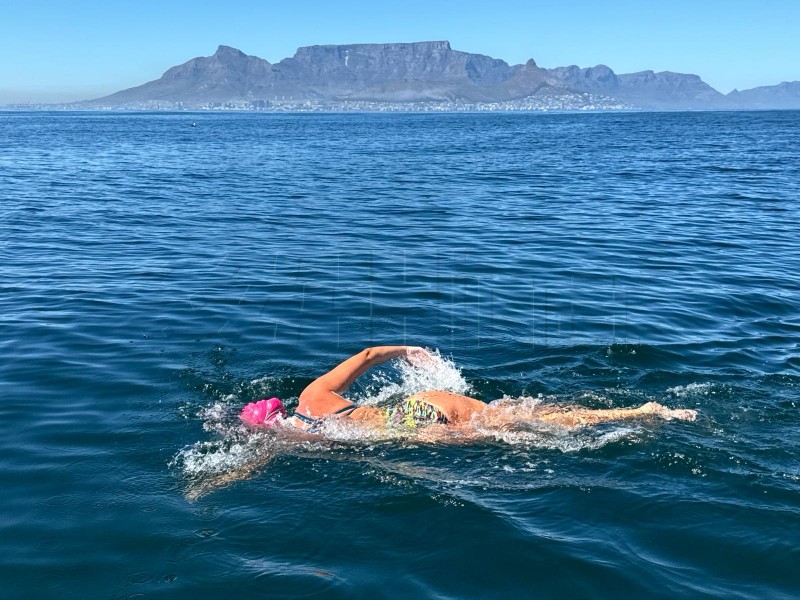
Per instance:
(426,71)
(645,89)
(783,95)
(228,74)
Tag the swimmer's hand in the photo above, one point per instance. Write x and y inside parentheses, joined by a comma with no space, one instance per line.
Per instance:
(654,408)
(420,357)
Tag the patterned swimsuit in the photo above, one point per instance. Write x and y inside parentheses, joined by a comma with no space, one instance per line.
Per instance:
(414,413)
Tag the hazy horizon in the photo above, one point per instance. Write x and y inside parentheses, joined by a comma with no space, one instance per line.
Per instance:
(103,50)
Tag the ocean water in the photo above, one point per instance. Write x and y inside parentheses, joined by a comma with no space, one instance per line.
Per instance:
(157,271)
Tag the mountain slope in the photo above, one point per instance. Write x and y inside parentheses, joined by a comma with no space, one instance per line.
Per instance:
(425,71)
(646,89)
(229,73)
(785,95)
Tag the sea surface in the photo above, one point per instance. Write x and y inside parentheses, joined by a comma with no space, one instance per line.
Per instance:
(160,270)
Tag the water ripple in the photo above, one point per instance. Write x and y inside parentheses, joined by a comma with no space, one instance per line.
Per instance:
(155,276)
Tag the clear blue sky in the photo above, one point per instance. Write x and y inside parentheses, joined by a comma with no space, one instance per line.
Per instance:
(55,50)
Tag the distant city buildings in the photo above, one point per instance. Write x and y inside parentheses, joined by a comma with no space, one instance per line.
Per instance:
(556,102)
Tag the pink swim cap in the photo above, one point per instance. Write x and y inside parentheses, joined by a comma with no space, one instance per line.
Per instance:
(264,412)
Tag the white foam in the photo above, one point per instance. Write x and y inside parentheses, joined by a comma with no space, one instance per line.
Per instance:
(568,440)
(514,422)
(440,373)
(211,457)
(692,389)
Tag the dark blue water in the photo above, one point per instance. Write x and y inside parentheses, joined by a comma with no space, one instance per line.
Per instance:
(155,276)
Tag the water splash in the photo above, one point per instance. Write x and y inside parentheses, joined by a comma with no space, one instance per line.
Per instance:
(236,453)
(514,422)
(440,373)
(691,390)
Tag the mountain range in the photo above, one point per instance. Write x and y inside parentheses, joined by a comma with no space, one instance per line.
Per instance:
(427,72)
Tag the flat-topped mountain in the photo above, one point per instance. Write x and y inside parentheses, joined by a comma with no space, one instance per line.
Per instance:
(411,72)
(374,64)
(425,71)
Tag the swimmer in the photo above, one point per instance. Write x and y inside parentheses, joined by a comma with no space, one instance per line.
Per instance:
(322,400)
(433,416)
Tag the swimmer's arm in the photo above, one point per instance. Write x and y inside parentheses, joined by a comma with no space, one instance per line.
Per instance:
(339,379)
